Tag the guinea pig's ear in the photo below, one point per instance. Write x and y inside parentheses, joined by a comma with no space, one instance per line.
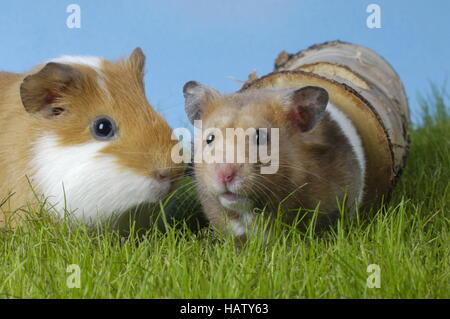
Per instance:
(307,106)
(41,91)
(137,61)
(195,96)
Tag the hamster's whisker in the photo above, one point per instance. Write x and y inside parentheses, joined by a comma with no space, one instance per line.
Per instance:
(258,191)
(287,188)
(186,203)
(185,188)
(270,181)
(263,188)
(295,187)
(201,192)
(279,198)
(322,179)
(179,176)
(176,180)
(189,183)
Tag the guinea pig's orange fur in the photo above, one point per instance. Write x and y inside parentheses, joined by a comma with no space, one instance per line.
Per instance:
(315,167)
(144,141)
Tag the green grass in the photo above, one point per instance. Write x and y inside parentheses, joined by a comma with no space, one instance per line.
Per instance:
(408,238)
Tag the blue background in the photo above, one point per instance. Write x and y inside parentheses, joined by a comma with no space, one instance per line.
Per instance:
(211,41)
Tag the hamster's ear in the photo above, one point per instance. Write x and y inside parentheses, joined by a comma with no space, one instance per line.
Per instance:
(195,96)
(137,61)
(40,91)
(307,106)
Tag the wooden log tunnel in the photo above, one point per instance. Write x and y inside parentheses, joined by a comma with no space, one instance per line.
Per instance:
(368,90)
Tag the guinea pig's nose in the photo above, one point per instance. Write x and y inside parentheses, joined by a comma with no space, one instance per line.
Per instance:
(162,174)
(226,172)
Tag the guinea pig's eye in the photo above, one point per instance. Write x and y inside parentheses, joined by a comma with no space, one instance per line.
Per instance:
(103,128)
(210,138)
(261,137)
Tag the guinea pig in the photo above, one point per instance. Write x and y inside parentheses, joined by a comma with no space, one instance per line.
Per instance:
(318,155)
(79,135)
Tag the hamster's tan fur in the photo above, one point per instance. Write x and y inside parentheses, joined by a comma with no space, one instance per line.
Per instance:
(317,165)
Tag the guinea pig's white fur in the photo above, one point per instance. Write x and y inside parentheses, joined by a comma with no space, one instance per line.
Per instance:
(85,183)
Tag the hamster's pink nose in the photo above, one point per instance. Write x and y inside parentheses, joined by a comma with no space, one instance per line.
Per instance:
(226,172)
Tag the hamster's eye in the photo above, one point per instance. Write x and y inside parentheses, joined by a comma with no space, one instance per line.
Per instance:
(261,137)
(103,128)
(210,138)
